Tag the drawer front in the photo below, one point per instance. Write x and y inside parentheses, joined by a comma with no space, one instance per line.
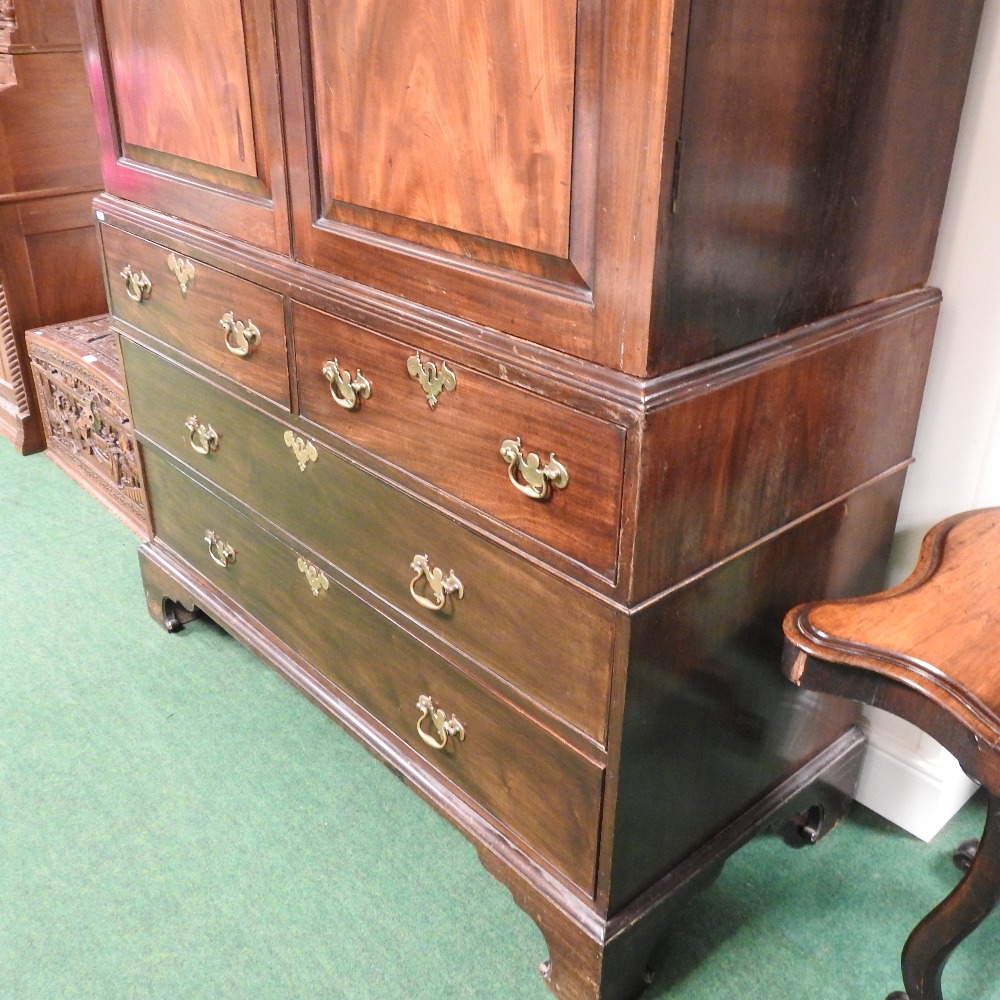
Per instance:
(374,398)
(506,611)
(231,325)
(536,786)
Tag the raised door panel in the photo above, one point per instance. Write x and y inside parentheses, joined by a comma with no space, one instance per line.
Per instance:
(188,108)
(500,160)
(157,52)
(463,118)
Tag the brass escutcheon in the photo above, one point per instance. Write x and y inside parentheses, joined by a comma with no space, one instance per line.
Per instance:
(203,437)
(432,381)
(241,338)
(137,286)
(183,270)
(303,450)
(446,728)
(221,552)
(538,479)
(441,587)
(315,577)
(346,391)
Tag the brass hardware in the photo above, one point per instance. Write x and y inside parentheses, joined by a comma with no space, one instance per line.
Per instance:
(431,380)
(315,577)
(183,270)
(441,586)
(346,391)
(446,728)
(204,438)
(303,450)
(538,479)
(137,286)
(221,552)
(241,338)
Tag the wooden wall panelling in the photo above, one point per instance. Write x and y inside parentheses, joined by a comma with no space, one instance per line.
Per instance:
(49,172)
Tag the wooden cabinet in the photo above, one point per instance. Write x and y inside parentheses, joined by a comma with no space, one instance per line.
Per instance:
(49,173)
(503,371)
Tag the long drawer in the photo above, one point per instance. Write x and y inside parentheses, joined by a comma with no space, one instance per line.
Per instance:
(532,783)
(227,323)
(503,612)
(543,468)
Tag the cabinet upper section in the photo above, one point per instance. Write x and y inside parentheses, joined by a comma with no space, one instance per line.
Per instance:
(639,183)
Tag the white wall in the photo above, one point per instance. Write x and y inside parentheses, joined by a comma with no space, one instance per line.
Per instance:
(958,439)
(907,777)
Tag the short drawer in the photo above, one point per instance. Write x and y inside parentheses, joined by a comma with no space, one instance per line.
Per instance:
(540,789)
(503,611)
(231,325)
(379,393)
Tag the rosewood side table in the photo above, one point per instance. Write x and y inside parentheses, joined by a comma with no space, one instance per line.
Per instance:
(929,652)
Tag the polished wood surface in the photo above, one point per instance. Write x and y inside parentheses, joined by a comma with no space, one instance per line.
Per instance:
(926,650)
(505,619)
(456,443)
(804,404)
(815,154)
(190,319)
(477,134)
(534,784)
(49,171)
(935,633)
(580,302)
(186,102)
(189,93)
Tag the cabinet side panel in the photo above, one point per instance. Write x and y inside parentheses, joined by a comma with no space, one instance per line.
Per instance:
(711,724)
(815,154)
(749,450)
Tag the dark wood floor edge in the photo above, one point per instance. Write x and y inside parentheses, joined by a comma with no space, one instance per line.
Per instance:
(753,821)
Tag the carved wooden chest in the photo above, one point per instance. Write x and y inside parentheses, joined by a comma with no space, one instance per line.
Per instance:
(81,398)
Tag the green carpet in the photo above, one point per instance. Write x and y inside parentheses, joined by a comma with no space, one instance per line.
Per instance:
(176,822)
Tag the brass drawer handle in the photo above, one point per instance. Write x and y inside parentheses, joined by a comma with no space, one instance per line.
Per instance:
(446,728)
(315,577)
(222,553)
(303,450)
(241,338)
(203,437)
(346,391)
(432,381)
(441,587)
(538,479)
(137,286)
(183,270)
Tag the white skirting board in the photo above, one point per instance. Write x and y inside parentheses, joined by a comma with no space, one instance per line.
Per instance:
(909,778)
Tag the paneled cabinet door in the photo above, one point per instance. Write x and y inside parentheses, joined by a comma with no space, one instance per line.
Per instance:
(497,159)
(187,102)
